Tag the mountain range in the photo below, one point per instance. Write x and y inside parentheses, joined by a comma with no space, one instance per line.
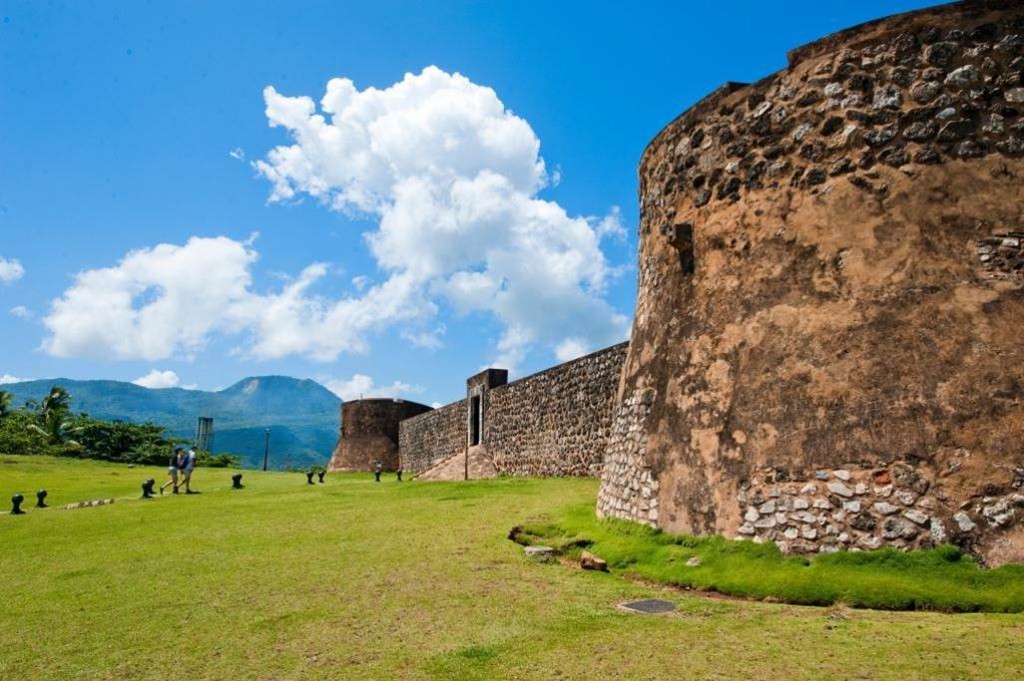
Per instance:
(303,416)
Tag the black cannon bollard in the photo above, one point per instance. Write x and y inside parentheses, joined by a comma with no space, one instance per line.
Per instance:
(147,488)
(16,504)
(41,499)
(236,481)
(321,474)
(399,474)
(309,477)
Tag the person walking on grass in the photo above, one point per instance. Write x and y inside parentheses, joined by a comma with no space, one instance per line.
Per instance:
(190,464)
(377,470)
(172,470)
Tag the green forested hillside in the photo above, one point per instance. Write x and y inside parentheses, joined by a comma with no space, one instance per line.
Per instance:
(302,414)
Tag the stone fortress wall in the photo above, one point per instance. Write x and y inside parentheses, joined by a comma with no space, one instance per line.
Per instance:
(556,422)
(429,438)
(552,423)
(369,433)
(827,348)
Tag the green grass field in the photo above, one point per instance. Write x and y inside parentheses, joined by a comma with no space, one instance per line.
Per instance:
(352,579)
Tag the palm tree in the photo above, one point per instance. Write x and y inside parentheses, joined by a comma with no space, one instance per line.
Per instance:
(53,414)
(59,400)
(5,402)
(56,427)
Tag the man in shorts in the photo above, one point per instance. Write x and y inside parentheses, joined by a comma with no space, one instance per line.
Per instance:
(190,464)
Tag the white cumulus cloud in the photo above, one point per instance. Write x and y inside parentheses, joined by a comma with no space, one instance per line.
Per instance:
(7,379)
(154,302)
(157,379)
(452,176)
(21,312)
(169,300)
(363,386)
(452,179)
(10,270)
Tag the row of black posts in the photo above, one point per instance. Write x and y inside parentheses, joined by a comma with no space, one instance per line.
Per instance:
(147,493)
(18,499)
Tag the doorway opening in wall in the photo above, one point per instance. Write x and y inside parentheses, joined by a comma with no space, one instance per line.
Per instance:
(474,421)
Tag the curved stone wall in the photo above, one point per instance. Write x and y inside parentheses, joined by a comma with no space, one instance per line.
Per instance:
(369,433)
(827,346)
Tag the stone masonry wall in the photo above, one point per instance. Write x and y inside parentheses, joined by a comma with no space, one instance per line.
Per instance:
(429,438)
(556,422)
(1002,256)
(865,507)
(628,490)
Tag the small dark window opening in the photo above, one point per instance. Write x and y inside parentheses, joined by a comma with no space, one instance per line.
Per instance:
(474,421)
(680,237)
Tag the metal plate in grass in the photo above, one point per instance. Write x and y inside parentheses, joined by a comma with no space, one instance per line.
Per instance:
(649,606)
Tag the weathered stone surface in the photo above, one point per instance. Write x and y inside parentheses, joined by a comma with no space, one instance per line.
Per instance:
(557,422)
(430,438)
(964,522)
(963,76)
(541,554)
(840,489)
(916,516)
(999,514)
(553,423)
(941,54)
(826,323)
(370,433)
(588,561)
(886,508)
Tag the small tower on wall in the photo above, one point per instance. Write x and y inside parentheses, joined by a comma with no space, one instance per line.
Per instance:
(477,389)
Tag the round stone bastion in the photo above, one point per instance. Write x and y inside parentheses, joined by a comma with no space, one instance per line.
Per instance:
(828,345)
(369,433)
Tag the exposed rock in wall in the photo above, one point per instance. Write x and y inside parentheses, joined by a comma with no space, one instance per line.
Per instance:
(556,422)
(429,438)
(829,272)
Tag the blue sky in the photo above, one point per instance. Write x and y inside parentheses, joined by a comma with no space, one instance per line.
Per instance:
(379,260)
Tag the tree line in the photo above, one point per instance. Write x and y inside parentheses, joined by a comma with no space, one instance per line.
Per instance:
(48,426)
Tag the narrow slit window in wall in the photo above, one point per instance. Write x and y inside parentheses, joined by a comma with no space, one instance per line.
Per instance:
(474,421)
